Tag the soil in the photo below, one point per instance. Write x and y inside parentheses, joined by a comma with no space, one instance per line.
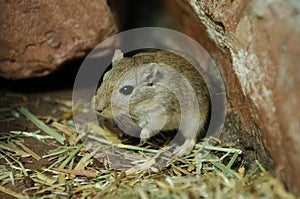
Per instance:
(34,94)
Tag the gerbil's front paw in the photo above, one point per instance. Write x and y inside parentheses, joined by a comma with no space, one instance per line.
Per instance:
(145,134)
(184,149)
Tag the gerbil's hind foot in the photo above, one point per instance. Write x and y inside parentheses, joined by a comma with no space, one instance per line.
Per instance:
(185,149)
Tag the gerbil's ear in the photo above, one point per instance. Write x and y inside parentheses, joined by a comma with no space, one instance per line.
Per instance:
(150,74)
(118,55)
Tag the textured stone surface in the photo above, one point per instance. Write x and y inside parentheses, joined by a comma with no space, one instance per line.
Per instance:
(37,37)
(256,43)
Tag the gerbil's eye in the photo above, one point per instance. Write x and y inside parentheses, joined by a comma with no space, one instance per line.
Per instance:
(126,90)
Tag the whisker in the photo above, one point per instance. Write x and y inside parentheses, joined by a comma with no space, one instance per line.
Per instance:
(127,114)
(126,126)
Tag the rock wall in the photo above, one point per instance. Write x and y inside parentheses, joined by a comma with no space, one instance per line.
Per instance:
(37,37)
(256,43)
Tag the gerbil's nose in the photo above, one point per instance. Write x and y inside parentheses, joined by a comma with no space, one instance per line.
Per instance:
(98,108)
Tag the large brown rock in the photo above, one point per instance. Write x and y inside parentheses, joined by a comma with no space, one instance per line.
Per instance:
(257,44)
(37,37)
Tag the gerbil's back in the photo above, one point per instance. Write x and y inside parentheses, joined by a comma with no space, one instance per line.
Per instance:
(181,65)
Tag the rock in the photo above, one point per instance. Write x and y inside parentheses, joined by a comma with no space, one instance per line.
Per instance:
(256,44)
(37,37)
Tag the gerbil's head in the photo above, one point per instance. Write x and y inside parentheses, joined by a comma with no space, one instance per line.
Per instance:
(127,87)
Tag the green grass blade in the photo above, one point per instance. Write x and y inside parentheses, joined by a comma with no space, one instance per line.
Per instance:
(234,157)
(42,125)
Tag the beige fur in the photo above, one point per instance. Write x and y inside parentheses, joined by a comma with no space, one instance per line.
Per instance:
(161,80)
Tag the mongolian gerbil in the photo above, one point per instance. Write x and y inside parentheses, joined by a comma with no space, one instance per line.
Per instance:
(155,91)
